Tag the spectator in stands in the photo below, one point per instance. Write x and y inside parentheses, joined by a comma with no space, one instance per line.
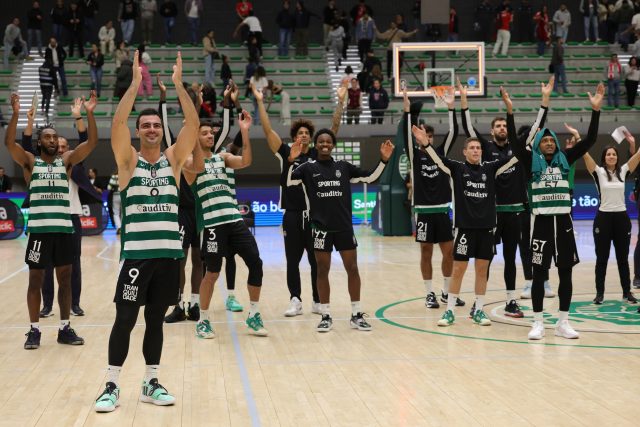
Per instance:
(243,7)
(255,30)
(395,35)
(14,43)
(336,37)
(75,29)
(453,29)
(343,19)
(124,75)
(589,10)
(557,61)
(610,24)
(193,9)
(347,76)
(121,53)
(504,5)
(635,48)
(302,19)
(399,21)
(148,10)
(127,14)
(210,54)
(523,19)
(90,10)
(484,21)
(92,173)
(365,31)
(354,108)
(225,71)
(249,71)
(254,52)
(259,82)
(209,105)
(631,78)
(359,10)
(96,61)
(541,19)
(328,18)
(286,21)
(613,73)
(113,199)
(5,182)
(416,12)
(168,11)
(624,14)
(107,36)
(34,27)
(635,21)
(503,23)
(55,54)
(376,74)
(146,87)
(58,13)
(378,102)
(48,81)
(562,21)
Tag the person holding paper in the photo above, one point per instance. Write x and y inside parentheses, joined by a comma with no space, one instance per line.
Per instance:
(612,223)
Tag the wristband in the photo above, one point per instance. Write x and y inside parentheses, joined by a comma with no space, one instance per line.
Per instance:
(78,118)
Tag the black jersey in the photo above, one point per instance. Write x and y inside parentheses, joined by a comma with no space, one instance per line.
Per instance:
(511,185)
(474,189)
(327,188)
(292,198)
(431,187)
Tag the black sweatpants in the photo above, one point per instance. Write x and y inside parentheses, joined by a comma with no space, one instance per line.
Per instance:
(76,269)
(298,238)
(565,287)
(512,231)
(611,227)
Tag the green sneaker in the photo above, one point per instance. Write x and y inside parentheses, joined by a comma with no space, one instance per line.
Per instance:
(479,318)
(447,318)
(153,392)
(108,400)
(232,304)
(256,327)
(205,330)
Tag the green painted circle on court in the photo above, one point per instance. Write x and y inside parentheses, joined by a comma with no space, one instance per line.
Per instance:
(380,315)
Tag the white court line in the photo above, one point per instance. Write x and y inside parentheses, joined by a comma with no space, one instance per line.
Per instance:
(15,273)
(99,255)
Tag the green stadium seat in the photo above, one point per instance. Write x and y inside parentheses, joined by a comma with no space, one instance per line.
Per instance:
(303,70)
(585,68)
(538,69)
(323,97)
(305,84)
(295,112)
(625,108)
(525,109)
(288,84)
(442,110)
(306,98)
(318,70)
(606,108)
(321,84)
(575,109)
(426,110)
(497,82)
(529,82)
(535,95)
(274,112)
(64,113)
(583,95)
(523,69)
(558,109)
(286,70)
(492,110)
(513,82)
(568,95)
(309,111)
(475,110)
(518,95)
(517,56)
(491,69)
(326,111)
(576,82)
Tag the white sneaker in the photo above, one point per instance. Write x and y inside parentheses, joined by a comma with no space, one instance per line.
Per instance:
(537,330)
(295,308)
(564,330)
(316,308)
(526,292)
(548,292)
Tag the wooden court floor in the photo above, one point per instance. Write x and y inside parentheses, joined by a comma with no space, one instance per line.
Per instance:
(406,372)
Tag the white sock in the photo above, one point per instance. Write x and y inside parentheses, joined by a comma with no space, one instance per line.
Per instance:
(63,323)
(205,314)
(511,295)
(253,308)
(151,372)
(325,309)
(231,293)
(537,316)
(563,315)
(195,299)
(445,287)
(36,325)
(451,302)
(428,286)
(479,302)
(355,307)
(113,374)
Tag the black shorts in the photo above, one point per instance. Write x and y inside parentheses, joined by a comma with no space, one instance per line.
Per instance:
(148,281)
(325,241)
(46,249)
(476,243)
(188,229)
(509,226)
(433,228)
(227,239)
(552,238)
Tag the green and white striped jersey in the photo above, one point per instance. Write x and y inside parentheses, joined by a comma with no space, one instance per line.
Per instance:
(50,210)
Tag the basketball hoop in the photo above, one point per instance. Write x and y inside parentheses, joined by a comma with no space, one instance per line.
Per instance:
(440,95)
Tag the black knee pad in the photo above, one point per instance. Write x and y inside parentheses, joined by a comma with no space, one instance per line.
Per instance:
(254,264)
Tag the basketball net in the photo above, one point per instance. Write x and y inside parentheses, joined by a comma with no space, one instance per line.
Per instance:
(440,94)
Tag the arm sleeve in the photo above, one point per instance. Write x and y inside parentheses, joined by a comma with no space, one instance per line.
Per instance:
(167,136)
(445,148)
(27,144)
(357,175)
(579,150)
(294,177)
(518,145)
(407,139)
(443,163)
(224,131)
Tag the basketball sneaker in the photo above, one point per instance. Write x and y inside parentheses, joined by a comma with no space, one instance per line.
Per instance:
(548,292)
(255,325)
(359,322)
(537,331)
(564,330)
(205,330)
(315,308)
(479,318)
(630,298)
(46,312)
(295,307)
(33,339)
(447,318)
(108,400)
(153,392)
(599,299)
(444,298)
(177,315)
(76,310)
(193,312)
(512,309)
(67,335)
(326,324)
(232,304)
(472,311)
(431,301)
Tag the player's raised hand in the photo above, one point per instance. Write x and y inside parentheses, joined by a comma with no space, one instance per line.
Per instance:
(506,98)
(137,71)
(420,134)
(296,148)
(245,120)
(596,100)
(15,103)
(177,70)
(386,150)
(90,105)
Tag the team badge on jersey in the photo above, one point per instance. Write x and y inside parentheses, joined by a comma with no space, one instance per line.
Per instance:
(338,174)
(50,168)
(484,177)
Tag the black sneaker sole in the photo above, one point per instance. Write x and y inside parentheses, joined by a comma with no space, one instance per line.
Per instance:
(71,343)
(31,346)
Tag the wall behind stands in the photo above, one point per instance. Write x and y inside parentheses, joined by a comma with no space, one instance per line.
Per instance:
(220,16)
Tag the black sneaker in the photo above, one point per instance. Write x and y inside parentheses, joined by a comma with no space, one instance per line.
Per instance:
(194,312)
(630,298)
(325,324)
(636,282)
(512,309)
(473,310)
(431,301)
(33,339)
(46,312)
(68,336)
(77,311)
(177,315)
(445,298)
(358,322)
(598,299)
